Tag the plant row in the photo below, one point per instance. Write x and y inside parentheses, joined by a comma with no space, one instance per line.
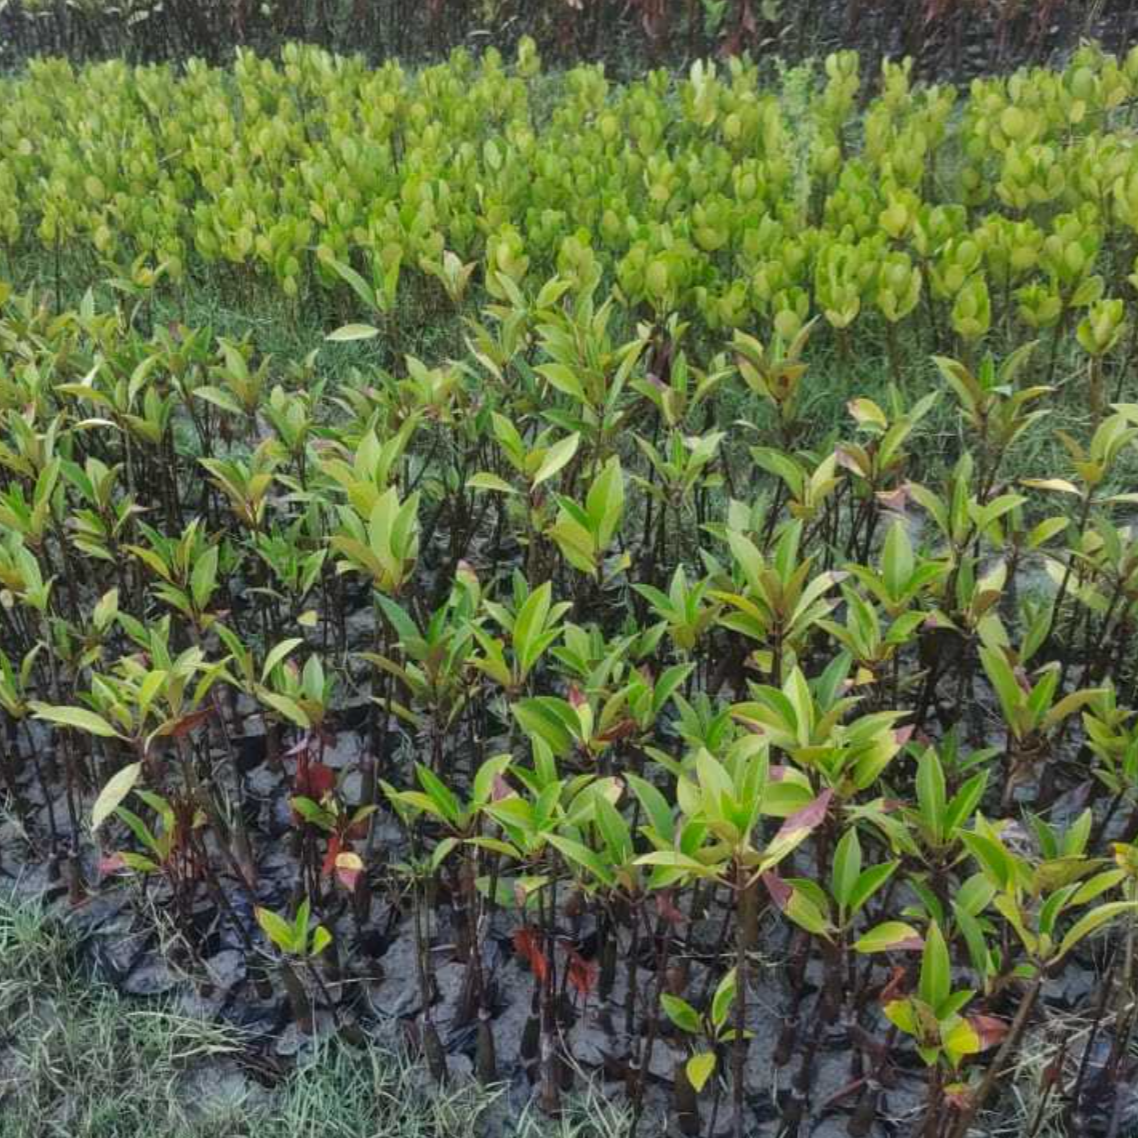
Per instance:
(648,687)
(922,220)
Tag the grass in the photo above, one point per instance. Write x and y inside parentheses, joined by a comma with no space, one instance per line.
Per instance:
(79,1061)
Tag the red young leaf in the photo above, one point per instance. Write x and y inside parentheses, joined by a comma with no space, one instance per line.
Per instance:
(910,944)
(847,460)
(958,1096)
(808,817)
(111,863)
(299,747)
(893,499)
(902,735)
(617,731)
(527,944)
(780,892)
(315,781)
(349,866)
(582,973)
(990,1030)
(666,907)
(895,987)
(188,722)
(334,846)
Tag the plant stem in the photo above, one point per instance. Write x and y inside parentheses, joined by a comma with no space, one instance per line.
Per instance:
(1007,1050)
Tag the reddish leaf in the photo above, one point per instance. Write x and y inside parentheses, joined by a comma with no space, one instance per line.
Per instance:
(111,863)
(893,499)
(958,1096)
(807,818)
(188,722)
(666,907)
(902,735)
(895,987)
(776,773)
(303,745)
(349,866)
(848,460)
(501,789)
(527,944)
(780,892)
(314,781)
(576,696)
(990,1030)
(619,730)
(334,847)
(582,973)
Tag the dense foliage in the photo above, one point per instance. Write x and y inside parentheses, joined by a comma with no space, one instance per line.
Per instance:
(1011,211)
(660,677)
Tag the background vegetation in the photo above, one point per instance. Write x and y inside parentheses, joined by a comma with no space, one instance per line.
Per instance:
(946,37)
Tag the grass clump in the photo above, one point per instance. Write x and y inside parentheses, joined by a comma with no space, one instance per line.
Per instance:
(81,1061)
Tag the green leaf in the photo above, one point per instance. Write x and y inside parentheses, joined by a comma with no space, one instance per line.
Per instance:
(563,379)
(584,857)
(936,970)
(897,561)
(351,332)
(556,457)
(204,577)
(900,1012)
(487,481)
(847,867)
(655,806)
(444,798)
(1010,694)
(890,936)
(219,397)
(931,792)
(279,931)
(117,788)
(277,653)
(1090,922)
(530,623)
(699,1069)
(289,708)
(357,283)
(800,908)
(723,999)
(868,883)
(681,1013)
(77,717)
